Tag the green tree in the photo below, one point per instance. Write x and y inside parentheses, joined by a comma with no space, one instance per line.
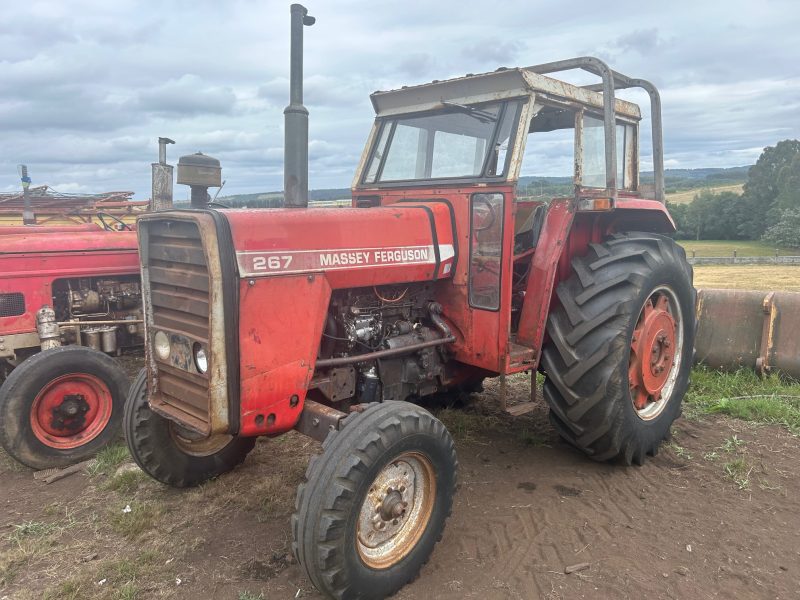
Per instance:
(789,185)
(763,186)
(786,232)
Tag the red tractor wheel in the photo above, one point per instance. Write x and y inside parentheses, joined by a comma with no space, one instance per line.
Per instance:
(621,344)
(61,406)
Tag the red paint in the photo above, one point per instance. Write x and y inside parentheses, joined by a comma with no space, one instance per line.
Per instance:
(33,257)
(281,318)
(653,347)
(287,275)
(56,426)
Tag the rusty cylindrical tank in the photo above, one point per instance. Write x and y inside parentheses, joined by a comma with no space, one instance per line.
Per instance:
(753,329)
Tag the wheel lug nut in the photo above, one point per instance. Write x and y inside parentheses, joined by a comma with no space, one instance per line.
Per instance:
(394,522)
(402,489)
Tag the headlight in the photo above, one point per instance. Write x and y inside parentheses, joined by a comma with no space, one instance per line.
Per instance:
(161,345)
(200,358)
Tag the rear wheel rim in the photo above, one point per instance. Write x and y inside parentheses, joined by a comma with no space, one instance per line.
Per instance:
(71,410)
(396,511)
(656,353)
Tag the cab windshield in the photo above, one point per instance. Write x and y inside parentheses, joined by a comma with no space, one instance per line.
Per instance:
(457,142)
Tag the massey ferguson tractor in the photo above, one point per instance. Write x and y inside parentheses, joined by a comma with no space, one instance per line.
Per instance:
(336,322)
(70,300)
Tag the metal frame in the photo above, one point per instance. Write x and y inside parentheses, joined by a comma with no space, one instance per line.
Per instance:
(612,80)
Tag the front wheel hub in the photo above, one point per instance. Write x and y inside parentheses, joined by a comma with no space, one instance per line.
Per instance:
(396,510)
(655,353)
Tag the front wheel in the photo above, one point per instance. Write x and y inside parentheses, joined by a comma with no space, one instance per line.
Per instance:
(375,502)
(60,406)
(171,454)
(620,346)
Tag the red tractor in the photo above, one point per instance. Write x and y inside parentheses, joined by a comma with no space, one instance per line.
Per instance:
(336,322)
(69,300)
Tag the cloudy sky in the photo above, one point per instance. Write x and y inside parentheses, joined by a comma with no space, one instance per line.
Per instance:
(87,86)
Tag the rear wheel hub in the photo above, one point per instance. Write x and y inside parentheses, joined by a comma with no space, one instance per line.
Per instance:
(71,410)
(655,354)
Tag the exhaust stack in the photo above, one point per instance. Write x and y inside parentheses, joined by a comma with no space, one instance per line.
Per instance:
(161,194)
(295,150)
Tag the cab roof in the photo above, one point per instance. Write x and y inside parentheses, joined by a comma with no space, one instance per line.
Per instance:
(486,87)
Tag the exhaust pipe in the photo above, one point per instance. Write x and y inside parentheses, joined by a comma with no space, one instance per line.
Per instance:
(295,149)
(161,191)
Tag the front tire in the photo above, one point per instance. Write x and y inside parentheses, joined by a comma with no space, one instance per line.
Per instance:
(621,343)
(375,502)
(61,406)
(171,454)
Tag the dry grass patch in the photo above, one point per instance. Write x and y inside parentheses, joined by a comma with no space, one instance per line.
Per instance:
(688,196)
(748,277)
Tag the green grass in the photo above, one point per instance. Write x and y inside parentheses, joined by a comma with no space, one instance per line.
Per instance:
(109,458)
(141,518)
(743,395)
(726,248)
(738,471)
(126,482)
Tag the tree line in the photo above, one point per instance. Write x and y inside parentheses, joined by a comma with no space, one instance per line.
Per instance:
(767,209)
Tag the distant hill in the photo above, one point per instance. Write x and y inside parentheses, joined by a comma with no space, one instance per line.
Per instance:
(676,181)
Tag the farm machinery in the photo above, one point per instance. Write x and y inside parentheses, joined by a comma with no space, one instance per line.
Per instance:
(337,322)
(70,300)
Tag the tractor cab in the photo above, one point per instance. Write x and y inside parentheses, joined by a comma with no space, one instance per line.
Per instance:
(463,142)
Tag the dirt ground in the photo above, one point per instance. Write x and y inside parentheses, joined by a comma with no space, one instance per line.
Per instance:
(714,515)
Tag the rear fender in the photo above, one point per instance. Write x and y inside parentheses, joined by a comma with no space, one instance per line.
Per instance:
(566,234)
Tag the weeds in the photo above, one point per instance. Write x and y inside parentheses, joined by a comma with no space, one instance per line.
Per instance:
(743,395)
(680,450)
(250,596)
(126,482)
(109,458)
(732,444)
(67,590)
(134,522)
(739,471)
(31,529)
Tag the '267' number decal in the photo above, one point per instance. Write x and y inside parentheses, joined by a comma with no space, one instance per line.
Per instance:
(271,263)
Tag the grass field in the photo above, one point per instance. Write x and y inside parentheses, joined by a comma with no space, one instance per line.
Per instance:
(688,196)
(748,277)
(726,248)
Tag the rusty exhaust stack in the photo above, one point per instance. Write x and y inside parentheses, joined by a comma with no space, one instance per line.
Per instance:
(295,149)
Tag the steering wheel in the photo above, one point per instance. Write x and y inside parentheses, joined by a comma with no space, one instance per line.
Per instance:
(109,227)
(488,221)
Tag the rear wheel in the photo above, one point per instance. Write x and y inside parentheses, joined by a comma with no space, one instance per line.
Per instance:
(621,343)
(61,406)
(375,502)
(172,454)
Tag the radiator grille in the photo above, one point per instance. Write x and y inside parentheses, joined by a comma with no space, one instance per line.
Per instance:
(179,294)
(12,305)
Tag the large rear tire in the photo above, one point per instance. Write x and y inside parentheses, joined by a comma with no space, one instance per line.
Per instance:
(61,406)
(375,502)
(171,454)
(620,346)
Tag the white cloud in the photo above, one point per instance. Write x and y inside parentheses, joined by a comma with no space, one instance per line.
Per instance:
(86,87)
